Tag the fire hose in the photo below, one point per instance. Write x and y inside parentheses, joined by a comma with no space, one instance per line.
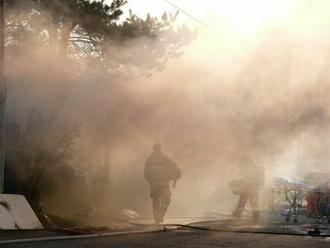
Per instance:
(162,228)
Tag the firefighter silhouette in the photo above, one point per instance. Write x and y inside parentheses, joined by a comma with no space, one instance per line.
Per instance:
(159,172)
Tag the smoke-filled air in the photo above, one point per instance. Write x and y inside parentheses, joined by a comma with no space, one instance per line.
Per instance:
(92,86)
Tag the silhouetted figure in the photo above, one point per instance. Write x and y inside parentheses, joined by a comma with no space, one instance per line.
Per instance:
(251,178)
(159,171)
(324,202)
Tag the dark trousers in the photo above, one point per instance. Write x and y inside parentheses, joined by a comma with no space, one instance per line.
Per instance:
(325,205)
(250,194)
(160,206)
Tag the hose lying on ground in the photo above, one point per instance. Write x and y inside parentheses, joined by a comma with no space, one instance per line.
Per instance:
(160,228)
(313,233)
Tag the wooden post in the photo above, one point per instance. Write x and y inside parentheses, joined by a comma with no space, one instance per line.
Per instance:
(3,96)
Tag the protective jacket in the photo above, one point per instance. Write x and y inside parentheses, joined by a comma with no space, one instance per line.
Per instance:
(159,171)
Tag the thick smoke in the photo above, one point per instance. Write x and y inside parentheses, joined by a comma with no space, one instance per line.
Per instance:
(268,99)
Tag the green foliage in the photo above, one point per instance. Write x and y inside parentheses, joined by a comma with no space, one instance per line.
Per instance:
(91,31)
(48,141)
(144,45)
(47,151)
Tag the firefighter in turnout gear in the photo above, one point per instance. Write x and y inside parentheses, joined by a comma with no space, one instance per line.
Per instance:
(159,171)
(251,179)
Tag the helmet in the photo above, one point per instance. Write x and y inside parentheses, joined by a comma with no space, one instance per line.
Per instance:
(157,148)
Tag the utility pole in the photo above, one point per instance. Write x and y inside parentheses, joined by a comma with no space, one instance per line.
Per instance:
(3,96)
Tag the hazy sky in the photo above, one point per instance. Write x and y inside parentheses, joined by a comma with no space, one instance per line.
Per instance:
(241,15)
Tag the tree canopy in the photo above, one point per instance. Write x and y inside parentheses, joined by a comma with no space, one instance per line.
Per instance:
(95,32)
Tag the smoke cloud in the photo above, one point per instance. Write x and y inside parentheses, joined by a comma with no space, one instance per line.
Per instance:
(265,96)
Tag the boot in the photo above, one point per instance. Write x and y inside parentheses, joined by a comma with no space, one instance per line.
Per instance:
(157,217)
(237,215)
(255,217)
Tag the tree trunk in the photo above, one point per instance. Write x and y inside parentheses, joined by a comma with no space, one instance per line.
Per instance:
(53,39)
(3,97)
(64,41)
